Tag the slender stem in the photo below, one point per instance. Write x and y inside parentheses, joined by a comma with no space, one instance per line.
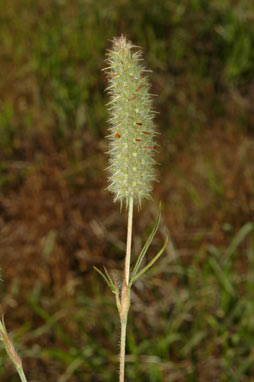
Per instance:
(21,374)
(125,295)
(122,350)
(128,244)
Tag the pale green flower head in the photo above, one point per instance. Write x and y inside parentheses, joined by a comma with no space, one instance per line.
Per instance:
(131,138)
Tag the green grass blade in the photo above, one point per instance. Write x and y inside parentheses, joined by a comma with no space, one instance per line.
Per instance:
(240,236)
(222,277)
(151,262)
(241,372)
(146,246)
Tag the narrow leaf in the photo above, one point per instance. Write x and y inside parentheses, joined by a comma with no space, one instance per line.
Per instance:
(108,276)
(147,244)
(151,262)
(107,280)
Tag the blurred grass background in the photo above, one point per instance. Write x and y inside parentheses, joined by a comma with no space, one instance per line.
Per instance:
(192,317)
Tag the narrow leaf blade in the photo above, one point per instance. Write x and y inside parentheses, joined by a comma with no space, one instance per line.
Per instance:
(108,277)
(108,281)
(147,244)
(151,262)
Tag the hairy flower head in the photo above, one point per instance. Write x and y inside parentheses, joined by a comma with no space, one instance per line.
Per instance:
(131,138)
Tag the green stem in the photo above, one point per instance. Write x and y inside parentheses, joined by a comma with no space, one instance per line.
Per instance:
(128,244)
(122,350)
(21,374)
(125,295)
